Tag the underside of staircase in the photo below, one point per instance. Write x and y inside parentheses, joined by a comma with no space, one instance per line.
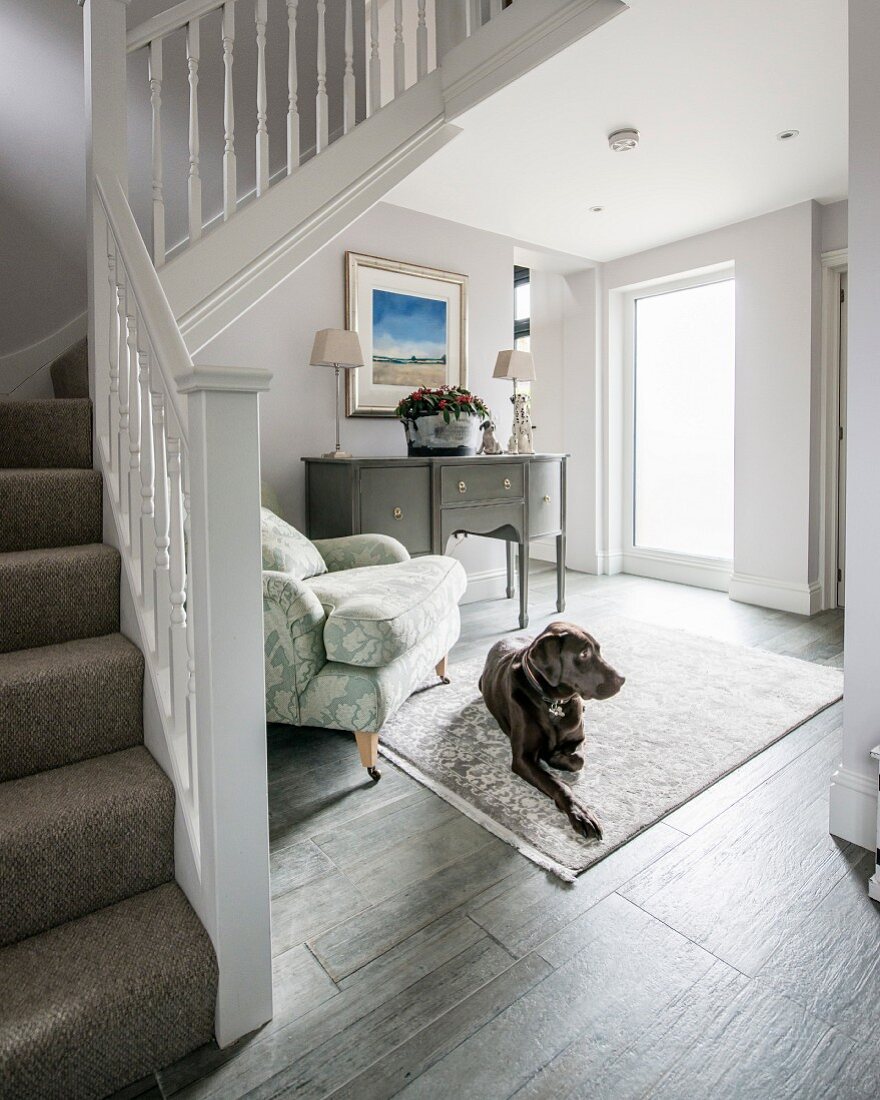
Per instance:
(106,973)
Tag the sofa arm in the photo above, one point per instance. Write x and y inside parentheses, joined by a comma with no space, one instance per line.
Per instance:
(293,631)
(354,551)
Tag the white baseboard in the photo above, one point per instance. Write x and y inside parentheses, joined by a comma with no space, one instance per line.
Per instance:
(19,369)
(800,599)
(491,584)
(699,572)
(853,808)
(609,562)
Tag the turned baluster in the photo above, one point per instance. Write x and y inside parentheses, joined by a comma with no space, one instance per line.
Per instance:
(113,344)
(157,184)
(322,110)
(476,16)
(161,580)
(230,184)
(191,744)
(262,127)
(177,567)
(128,352)
(421,42)
(119,364)
(134,443)
(146,536)
(194,180)
(375,60)
(399,50)
(348,85)
(292,90)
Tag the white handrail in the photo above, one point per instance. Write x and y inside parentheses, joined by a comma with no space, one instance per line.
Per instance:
(167,342)
(166,22)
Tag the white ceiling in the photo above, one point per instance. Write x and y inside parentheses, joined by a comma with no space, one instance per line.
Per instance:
(709,83)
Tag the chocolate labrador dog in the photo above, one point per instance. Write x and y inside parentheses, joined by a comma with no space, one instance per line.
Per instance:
(535,693)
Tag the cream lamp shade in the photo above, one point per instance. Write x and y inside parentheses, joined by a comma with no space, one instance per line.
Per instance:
(516,365)
(337,347)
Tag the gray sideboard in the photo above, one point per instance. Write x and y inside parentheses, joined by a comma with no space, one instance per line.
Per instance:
(423,502)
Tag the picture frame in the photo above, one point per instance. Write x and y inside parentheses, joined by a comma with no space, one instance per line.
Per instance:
(412,322)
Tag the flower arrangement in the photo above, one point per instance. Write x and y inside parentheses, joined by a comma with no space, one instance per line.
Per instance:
(448,401)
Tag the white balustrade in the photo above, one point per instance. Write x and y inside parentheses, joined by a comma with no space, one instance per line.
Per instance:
(399,50)
(260,16)
(375,60)
(161,542)
(194,178)
(134,444)
(147,533)
(349,89)
(230,183)
(421,41)
(322,102)
(292,90)
(155,72)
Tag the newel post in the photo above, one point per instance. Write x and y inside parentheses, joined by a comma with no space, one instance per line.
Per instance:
(227,613)
(106,154)
(452,25)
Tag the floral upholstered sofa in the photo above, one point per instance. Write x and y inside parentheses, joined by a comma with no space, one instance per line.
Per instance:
(352,626)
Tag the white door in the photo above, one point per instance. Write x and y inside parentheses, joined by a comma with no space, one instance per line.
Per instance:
(841,450)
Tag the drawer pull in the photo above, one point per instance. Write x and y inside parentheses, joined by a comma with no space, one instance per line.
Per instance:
(507,483)
(398,513)
(547,498)
(462,487)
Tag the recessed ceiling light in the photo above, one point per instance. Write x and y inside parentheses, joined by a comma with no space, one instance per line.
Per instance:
(596,209)
(787,135)
(622,141)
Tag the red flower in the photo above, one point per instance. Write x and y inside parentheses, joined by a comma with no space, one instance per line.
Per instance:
(442,405)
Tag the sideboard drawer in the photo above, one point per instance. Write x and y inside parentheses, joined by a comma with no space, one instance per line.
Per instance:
(545,498)
(397,501)
(487,480)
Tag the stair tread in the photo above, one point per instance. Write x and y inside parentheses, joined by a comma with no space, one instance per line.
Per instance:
(49,507)
(82,836)
(104,1000)
(56,594)
(68,702)
(48,433)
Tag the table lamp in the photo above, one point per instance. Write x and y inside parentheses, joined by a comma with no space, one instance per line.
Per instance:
(341,349)
(519,366)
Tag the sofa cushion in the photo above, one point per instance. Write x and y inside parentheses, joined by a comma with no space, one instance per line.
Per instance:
(285,550)
(378,613)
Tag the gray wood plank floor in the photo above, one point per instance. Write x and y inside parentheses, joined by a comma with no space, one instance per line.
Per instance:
(729,951)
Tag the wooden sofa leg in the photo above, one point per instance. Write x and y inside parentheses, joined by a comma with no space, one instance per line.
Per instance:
(368,747)
(440,669)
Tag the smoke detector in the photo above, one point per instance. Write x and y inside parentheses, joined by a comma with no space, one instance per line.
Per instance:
(621,141)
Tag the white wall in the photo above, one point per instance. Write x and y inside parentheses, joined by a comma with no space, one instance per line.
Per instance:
(297,414)
(834,225)
(854,789)
(776,258)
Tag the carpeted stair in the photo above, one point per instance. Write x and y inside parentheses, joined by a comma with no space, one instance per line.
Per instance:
(106,974)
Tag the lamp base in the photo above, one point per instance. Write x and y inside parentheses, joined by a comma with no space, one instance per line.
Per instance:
(336,454)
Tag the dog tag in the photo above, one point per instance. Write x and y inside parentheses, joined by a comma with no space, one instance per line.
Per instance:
(556,709)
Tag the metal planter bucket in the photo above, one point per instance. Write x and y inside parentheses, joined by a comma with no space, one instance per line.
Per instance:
(431,435)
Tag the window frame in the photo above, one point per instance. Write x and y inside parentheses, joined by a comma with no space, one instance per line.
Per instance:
(523,328)
(698,570)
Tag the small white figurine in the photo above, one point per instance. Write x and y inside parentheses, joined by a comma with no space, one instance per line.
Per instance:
(511,445)
(490,445)
(522,425)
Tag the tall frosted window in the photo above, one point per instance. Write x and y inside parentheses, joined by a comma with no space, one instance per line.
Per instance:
(683,421)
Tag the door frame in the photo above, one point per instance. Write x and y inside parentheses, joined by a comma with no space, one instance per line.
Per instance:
(834,265)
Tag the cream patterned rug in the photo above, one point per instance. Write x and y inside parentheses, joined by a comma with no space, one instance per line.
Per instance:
(692,709)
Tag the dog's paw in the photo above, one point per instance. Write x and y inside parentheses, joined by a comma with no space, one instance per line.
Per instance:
(585,823)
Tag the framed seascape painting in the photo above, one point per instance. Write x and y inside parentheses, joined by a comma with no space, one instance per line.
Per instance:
(412,322)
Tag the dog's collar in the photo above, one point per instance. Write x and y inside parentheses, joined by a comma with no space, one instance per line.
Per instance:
(556,707)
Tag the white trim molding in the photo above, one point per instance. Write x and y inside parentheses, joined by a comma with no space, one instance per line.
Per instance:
(834,264)
(711,573)
(852,813)
(490,584)
(800,599)
(19,367)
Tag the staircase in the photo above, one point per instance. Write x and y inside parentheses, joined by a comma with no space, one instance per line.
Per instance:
(106,973)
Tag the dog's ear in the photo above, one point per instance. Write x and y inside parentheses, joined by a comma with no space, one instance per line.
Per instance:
(545,654)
